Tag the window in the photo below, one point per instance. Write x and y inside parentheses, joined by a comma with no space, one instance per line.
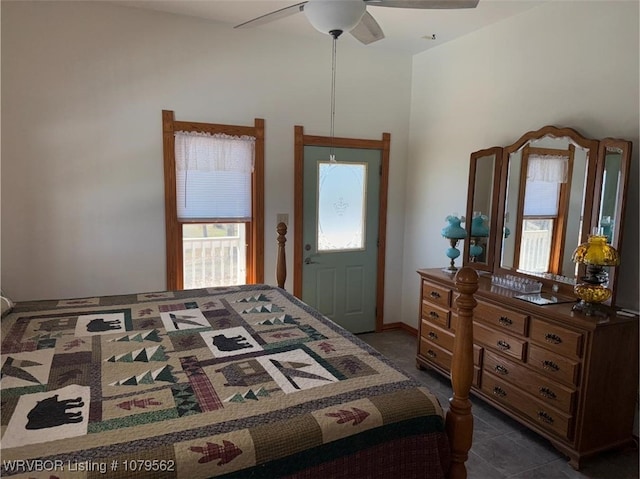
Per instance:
(214,188)
(547,178)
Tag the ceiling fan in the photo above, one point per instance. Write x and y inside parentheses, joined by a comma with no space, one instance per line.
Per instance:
(334,17)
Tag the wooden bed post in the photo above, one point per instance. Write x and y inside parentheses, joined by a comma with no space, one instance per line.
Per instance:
(281,265)
(459,420)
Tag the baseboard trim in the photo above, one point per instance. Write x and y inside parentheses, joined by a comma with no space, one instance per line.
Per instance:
(400,325)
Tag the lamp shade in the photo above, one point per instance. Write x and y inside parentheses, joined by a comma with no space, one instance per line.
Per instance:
(478,228)
(453,230)
(596,251)
(334,15)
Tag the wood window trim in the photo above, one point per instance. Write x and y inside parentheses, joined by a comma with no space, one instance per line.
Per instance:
(173,227)
(384,145)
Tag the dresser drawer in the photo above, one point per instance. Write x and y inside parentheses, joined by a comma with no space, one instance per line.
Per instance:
(435,314)
(546,390)
(556,338)
(546,417)
(477,355)
(443,358)
(436,354)
(436,294)
(477,374)
(501,318)
(437,335)
(477,350)
(514,347)
(553,365)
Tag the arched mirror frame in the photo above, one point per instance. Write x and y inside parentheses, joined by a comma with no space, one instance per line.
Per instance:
(622,147)
(592,204)
(492,196)
(587,213)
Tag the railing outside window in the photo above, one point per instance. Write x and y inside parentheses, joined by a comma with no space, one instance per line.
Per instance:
(217,261)
(534,251)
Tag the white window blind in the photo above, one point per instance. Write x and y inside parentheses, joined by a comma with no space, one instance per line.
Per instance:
(541,198)
(545,175)
(213,176)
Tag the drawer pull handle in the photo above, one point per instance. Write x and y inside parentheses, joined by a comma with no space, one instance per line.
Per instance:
(432,335)
(503,345)
(544,417)
(550,366)
(431,354)
(501,369)
(548,393)
(498,391)
(434,294)
(433,314)
(505,321)
(552,338)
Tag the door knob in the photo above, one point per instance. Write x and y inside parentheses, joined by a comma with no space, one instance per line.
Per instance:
(308,260)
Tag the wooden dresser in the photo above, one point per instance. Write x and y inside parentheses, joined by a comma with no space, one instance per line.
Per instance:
(571,378)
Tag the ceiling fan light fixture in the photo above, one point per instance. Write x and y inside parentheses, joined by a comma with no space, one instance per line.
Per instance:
(333,17)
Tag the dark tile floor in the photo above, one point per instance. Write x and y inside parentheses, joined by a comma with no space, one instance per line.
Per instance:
(502,448)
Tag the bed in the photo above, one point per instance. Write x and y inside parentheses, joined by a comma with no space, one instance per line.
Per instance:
(233,382)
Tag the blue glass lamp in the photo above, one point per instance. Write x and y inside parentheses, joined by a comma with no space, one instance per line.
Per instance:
(454,233)
(478,230)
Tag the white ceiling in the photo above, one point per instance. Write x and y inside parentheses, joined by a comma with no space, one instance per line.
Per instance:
(404,28)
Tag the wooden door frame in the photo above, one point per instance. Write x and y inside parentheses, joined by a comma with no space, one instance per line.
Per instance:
(384,145)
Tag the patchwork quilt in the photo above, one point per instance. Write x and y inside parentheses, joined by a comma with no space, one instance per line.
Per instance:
(244,381)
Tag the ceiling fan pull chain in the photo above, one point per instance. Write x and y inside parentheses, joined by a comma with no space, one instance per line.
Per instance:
(332,156)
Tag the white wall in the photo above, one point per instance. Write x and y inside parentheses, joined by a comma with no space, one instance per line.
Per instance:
(83,86)
(570,64)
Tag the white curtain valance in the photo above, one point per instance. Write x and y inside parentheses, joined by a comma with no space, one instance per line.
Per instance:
(219,152)
(548,168)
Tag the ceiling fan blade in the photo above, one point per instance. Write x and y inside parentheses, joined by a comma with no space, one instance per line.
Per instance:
(424,3)
(271,16)
(368,30)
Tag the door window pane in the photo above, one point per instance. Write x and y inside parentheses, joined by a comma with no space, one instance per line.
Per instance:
(214,254)
(341,206)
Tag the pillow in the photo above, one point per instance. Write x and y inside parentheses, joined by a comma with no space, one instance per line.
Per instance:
(7,305)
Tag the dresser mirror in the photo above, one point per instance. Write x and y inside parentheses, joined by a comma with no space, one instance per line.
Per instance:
(482,204)
(546,199)
(612,179)
(611,183)
(554,186)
